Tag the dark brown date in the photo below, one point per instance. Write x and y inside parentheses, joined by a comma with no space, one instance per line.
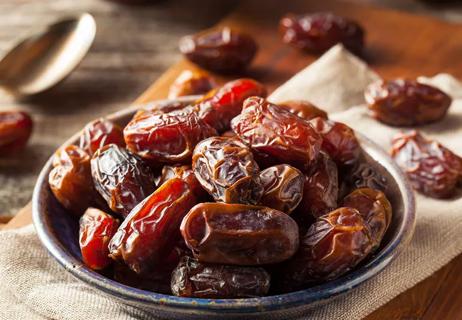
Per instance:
(338,141)
(320,31)
(15,130)
(96,230)
(148,234)
(333,245)
(221,50)
(191,83)
(70,179)
(166,137)
(362,175)
(156,280)
(404,102)
(122,178)
(303,109)
(283,185)
(99,133)
(321,188)
(220,106)
(239,234)
(200,280)
(227,171)
(186,174)
(274,131)
(375,208)
(433,169)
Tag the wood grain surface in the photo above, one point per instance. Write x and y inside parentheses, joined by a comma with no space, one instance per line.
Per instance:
(398,45)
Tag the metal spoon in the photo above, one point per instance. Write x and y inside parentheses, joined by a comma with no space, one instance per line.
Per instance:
(41,61)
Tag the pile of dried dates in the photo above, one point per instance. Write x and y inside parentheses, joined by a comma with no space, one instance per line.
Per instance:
(231,196)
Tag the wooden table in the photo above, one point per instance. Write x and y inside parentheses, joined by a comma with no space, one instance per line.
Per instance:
(398,45)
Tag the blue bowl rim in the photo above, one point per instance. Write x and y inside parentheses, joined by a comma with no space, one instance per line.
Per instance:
(295,299)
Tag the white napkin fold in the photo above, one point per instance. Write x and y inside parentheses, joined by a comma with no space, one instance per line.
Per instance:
(34,286)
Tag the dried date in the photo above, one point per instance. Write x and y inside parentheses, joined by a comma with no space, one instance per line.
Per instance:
(99,133)
(191,83)
(166,137)
(239,234)
(15,130)
(338,141)
(186,174)
(333,245)
(303,109)
(96,230)
(433,169)
(283,187)
(221,50)
(404,102)
(122,178)
(220,106)
(227,171)
(362,175)
(276,132)
(201,280)
(375,208)
(149,233)
(70,179)
(320,31)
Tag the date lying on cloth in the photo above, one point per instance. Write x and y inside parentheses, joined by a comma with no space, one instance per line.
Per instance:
(174,207)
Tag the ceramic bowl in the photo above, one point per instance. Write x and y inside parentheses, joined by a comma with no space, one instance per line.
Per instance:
(58,231)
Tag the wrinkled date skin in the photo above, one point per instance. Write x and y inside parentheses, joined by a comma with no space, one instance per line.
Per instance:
(122,178)
(239,234)
(227,171)
(403,102)
(160,107)
(191,83)
(96,230)
(15,130)
(70,179)
(303,109)
(220,106)
(333,245)
(321,188)
(221,50)
(283,185)
(375,209)
(99,133)
(362,175)
(186,174)
(318,32)
(338,141)
(149,233)
(276,132)
(432,169)
(200,280)
(166,137)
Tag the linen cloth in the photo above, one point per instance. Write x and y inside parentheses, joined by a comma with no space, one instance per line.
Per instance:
(34,286)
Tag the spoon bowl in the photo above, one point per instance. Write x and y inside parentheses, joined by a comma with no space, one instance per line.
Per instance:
(41,61)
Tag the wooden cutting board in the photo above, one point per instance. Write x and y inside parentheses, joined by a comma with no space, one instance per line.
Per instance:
(398,44)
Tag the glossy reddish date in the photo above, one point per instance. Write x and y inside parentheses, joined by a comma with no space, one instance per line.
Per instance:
(303,109)
(432,168)
(226,169)
(239,234)
(192,278)
(221,50)
(166,137)
(283,187)
(149,233)
(99,133)
(191,83)
(15,130)
(375,208)
(404,102)
(333,245)
(186,174)
(96,230)
(320,31)
(122,178)
(70,179)
(276,132)
(220,106)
